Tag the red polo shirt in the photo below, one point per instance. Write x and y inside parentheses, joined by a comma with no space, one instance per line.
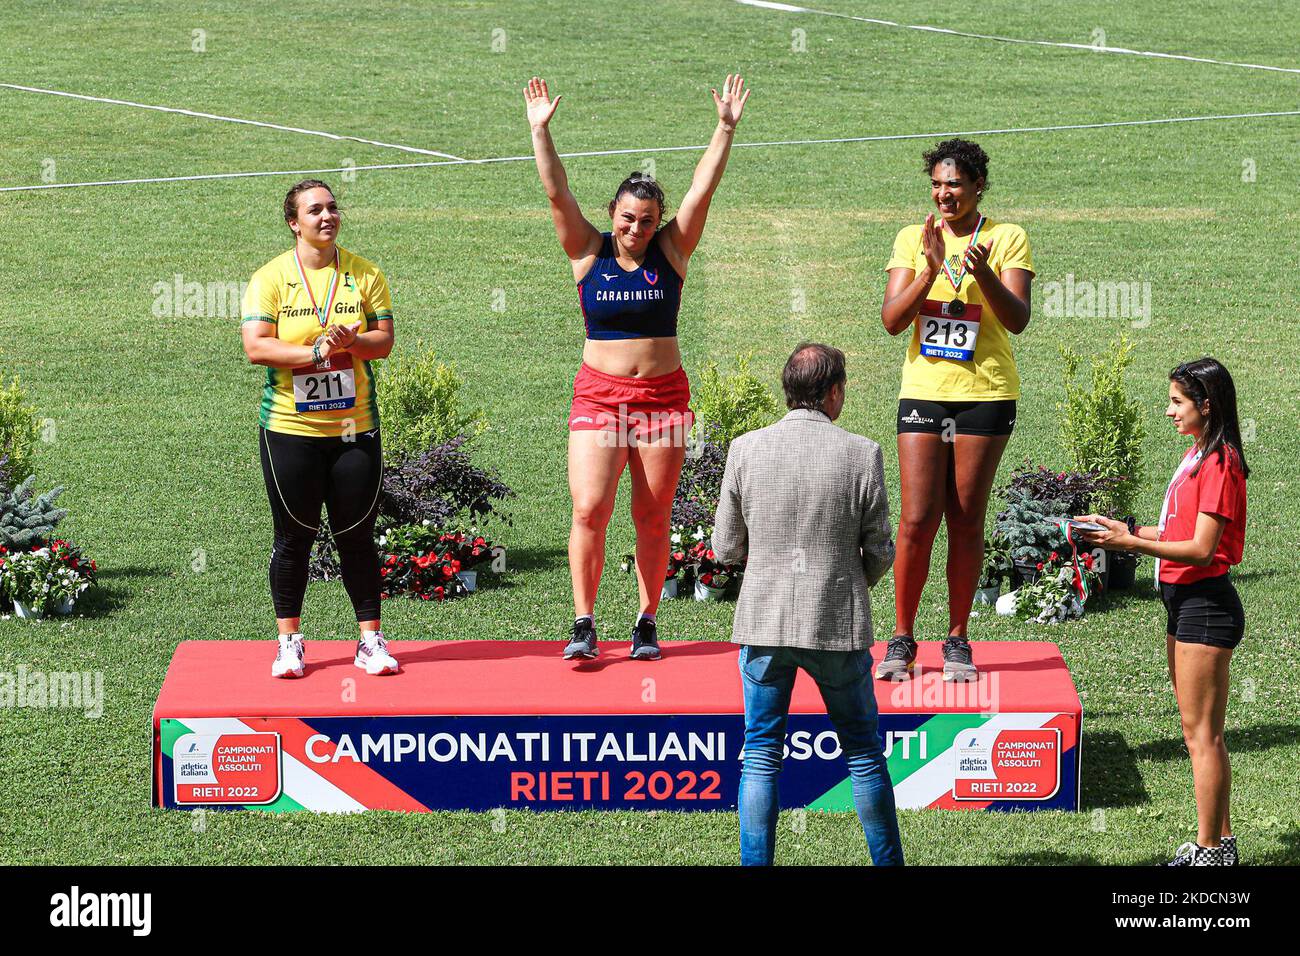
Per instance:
(1218,488)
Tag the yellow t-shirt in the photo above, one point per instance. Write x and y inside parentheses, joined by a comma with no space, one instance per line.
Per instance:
(990,374)
(325,400)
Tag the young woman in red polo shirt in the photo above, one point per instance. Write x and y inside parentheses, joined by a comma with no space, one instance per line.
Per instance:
(1200,536)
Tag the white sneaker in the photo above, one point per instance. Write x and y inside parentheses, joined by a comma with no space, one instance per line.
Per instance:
(288,659)
(372,654)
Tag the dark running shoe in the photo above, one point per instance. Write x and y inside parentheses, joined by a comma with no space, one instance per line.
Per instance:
(957,660)
(1229,845)
(1193,854)
(900,656)
(645,641)
(583,642)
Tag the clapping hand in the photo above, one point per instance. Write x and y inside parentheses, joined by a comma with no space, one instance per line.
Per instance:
(977,260)
(731,103)
(932,243)
(338,338)
(540,105)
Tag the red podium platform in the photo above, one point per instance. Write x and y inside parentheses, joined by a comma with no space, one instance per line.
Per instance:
(484,724)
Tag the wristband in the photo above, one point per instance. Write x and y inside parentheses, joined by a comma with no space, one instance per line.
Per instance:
(1132,524)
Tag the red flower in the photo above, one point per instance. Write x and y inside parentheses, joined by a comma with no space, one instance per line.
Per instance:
(706,579)
(1040,565)
(390,560)
(1087,561)
(447,556)
(424,597)
(709,554)
(1055,556)
(455,566)
(446,571)
(439,592)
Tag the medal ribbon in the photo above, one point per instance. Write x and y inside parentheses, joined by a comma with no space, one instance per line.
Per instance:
(1192,456)
(956,282)
(323,315)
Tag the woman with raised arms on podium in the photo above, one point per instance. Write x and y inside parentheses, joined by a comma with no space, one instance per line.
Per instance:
(960,283)
(631,397)
(316,317)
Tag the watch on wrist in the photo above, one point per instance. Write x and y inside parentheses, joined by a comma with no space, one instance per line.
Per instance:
(315,352)
(1132,524)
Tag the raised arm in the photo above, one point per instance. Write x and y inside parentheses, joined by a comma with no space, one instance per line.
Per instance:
(578,237)
(687,226)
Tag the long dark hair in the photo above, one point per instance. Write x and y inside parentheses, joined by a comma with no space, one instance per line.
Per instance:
(1206,378)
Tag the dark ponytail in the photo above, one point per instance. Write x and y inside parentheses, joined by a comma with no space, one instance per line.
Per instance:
(640,186)
(1206,379)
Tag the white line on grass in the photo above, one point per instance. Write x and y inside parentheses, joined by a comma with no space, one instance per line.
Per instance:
(1095,48)
(658,149)
(228,119)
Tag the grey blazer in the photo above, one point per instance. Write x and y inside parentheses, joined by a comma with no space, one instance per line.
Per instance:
(806,501)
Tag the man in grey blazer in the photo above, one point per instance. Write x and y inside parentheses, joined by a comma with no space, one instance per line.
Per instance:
(805,501)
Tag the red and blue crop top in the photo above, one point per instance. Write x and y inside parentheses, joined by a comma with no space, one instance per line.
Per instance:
(640,304)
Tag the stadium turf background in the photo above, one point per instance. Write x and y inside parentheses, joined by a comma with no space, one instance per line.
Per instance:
(155,416)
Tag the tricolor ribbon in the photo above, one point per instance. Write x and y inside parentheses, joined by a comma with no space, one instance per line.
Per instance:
(1080,579)
(322,316)
(947,269)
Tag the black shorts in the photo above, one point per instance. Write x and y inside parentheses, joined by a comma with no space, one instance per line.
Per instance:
(1204,612)
(960,418)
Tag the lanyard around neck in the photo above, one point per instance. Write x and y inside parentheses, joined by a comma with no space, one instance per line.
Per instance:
(956,281)
(322,315)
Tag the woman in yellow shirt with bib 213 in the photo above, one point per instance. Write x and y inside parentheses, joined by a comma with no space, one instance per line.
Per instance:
(960,282)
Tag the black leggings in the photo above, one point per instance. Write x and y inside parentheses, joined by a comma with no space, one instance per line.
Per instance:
(301,474)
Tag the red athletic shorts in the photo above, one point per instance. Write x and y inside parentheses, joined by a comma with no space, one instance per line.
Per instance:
(646,408)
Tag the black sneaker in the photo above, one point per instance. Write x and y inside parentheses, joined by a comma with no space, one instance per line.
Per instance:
(583,642)
(900,656)
(1229,845)
(1193,854)
(645,641)
(957,660)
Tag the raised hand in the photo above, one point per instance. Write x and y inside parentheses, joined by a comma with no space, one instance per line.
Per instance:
(540,106)
(932,244)
(731,103)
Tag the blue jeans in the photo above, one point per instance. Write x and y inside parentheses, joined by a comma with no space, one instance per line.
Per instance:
(844,679)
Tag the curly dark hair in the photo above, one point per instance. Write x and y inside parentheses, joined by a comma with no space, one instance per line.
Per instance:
(642,186)
(968,156)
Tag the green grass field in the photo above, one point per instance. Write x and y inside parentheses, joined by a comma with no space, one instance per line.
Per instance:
(155,417)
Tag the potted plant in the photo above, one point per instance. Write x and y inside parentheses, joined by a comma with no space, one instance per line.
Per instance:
(1102,432)
(45,579)
(1030,536)
(997,568)
(711,576)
